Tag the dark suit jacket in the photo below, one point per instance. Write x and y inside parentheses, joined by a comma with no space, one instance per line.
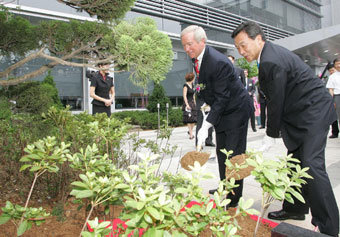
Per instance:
(250,87)
(240,74)
(224,92)
(298,103)
(262,97)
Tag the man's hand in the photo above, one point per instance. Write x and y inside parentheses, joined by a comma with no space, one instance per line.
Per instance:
(267,142)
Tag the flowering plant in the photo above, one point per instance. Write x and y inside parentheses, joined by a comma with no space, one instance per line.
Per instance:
(199,87)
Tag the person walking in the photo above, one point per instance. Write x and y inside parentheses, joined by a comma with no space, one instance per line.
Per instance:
(223,92)
(300,109)
(189,105)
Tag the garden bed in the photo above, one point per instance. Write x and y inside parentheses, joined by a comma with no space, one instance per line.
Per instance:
(70,222)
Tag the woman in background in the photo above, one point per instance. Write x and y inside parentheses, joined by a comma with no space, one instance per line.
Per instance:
(102,90)
(189,105)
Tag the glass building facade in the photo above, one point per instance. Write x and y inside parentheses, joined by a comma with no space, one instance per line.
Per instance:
(278,18)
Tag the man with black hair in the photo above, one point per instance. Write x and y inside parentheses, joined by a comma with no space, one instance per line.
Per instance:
(300,109)
(335,128)
(333,85)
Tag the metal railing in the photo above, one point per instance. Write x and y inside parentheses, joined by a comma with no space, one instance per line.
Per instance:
(194,13)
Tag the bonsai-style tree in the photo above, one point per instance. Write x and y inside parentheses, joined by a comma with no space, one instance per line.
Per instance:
(137,47)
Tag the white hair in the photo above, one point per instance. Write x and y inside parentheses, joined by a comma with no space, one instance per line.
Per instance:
(199,32)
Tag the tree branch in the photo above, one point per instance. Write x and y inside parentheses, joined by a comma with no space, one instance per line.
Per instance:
(20,63)
(55,61)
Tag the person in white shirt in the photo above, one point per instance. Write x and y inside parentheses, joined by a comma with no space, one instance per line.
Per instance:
(333,85)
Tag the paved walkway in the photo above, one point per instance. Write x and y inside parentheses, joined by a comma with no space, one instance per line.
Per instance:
(251,189)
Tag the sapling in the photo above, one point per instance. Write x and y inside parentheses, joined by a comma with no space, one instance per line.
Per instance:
(101,182)
(42,156)
(280,179)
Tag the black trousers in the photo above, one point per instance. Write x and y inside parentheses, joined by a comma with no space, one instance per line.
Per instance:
(235,140)
(335,128)
(96,109)
(252,116)
(263,105)
(318,192)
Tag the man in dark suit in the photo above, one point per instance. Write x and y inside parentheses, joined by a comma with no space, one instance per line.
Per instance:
(250,87)
(301,110)
(239,71)
(263,106)
(229,102)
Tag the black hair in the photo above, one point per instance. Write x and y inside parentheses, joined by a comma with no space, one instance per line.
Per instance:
(336,60)
(251,28)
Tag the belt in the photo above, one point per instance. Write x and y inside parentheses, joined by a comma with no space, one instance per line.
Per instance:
(337,95)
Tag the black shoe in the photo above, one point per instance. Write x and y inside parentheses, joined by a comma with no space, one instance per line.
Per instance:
(231,205)
(262,127)
(209,144)
(283,215)
(333,136)
(254,130)
(212,191)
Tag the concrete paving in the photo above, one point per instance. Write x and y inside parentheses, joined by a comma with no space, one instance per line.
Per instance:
(251,188)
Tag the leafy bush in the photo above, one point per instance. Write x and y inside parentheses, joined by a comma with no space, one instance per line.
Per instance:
(34,96)
(50,86)
(20,130)
(5,108)
(176,117)
(158,96)
(35,99)
(147,120)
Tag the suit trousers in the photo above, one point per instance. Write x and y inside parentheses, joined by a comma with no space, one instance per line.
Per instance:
(335,128)
(235,140)
(252,116)
(263,105)
(318,192)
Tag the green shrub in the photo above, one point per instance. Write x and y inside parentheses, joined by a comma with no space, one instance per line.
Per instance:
(147,120)
(20,130)
(35,99)
(52,90)
(34,96)
(158,96)
(5,108)
(176,117)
